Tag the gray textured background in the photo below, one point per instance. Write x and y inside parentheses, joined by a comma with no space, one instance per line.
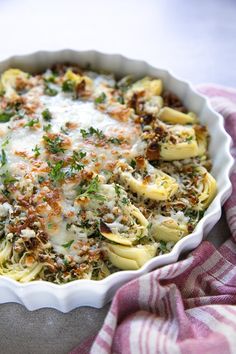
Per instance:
(196,39)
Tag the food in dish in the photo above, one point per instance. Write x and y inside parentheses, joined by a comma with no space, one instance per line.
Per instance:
(97,174)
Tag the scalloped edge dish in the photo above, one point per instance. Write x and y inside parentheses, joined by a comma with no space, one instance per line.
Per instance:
(40,294)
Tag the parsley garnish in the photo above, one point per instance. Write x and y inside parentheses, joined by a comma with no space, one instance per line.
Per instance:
(189,139)
(68,86)
(56,174)
(64,130)
(92,131)
(47,115)
(121,100)
(41,179)
(54,145)
(101,98)
(133,163)
(163,246)
(49,90)
(76,164)
(68,244)
(47,127)
(117,189)
(3,158)
(115,141)
(125,201)
(5,143)
(92,190)
(36,151)
(76,158)
(31,123)
(7,178)
(5,116)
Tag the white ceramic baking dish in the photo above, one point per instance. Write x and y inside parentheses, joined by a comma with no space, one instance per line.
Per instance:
(39,294)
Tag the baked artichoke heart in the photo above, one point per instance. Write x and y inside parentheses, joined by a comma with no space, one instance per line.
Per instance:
(161,185)
(172,116)
(130,258)
(150,87)
(207,188)
(76,78)
(137,230)
(185,144)
(168,229)
(8,81)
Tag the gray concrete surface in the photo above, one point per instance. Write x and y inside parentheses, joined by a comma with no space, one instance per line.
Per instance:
(196,39)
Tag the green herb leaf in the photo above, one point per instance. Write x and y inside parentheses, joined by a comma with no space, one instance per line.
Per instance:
(56,174)
(163,246)
(3,158)
(92,131)
(5,116)
(115,141)
(54,145)
(189,139)
(49,90)
(125,201)
(68,244)
(68,86)
(117,189)
(36,151)
(5,143)
(133,163)
(31,123)
(47,127)
(101,98)
(47,115)
(41,179)
(121,100)
(91,191)
(7,178)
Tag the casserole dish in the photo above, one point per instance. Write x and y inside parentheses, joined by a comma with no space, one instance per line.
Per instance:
(65,297)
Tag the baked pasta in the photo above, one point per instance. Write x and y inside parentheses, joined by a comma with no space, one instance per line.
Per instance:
(97,174)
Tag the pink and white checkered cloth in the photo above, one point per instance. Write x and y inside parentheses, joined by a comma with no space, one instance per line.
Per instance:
(186,307)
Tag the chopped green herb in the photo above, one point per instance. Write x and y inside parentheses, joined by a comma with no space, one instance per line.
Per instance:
(101,98)
(54,145)
(49,90)
(3,158)
(91,191)
(149,226)
(189,139)
(47,127)
(50,77)
(7,178)
(5,143)
(92,131)
(117,189)
(133,163)
(68,86)
(56,174)
(50,225)
(6,116)
(76,158)
(31,123)
(68,244)
(125,201)
(115,141)
(47,115)
(64,130)
(163,246)
(121,100)
(36,151)
(41,179)
(68,226)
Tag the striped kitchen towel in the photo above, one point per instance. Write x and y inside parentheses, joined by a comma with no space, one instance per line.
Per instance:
(186,307)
